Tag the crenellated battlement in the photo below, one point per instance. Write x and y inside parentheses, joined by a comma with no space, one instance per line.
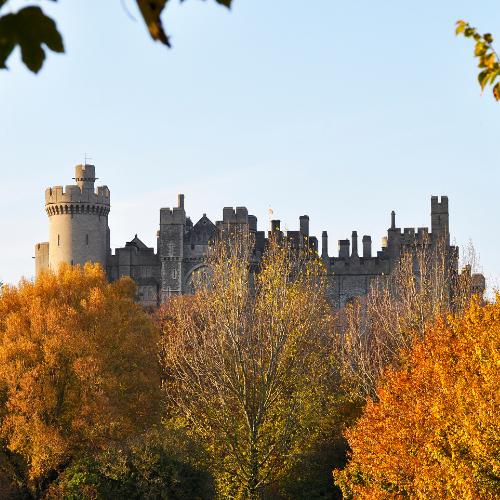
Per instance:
(232,216)
(74,194)
(176,215)
(439,207)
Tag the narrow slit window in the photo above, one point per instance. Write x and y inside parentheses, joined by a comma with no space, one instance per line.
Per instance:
(58,240)
(87,239)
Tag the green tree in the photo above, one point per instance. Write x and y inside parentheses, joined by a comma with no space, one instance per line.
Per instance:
(489,62)
(78,370)
(248,362)
(154,467)
(30,28)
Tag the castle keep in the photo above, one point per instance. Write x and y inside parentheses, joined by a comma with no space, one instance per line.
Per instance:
(79,233)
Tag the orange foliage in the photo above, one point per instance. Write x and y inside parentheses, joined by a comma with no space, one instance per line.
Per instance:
(435,433)
(78,366)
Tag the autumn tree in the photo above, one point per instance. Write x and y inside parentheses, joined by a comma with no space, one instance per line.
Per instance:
(375,331)
(247,362)
(434,431)
(78,370)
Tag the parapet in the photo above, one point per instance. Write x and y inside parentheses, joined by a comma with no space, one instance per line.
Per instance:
(438,207)
(74,194)
(409,235)
(238,216)
(175,216)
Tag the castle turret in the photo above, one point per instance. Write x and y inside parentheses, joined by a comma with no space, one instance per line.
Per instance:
(440,219)
(354,237)
(171,247)
(304,231)
(324,244)
(78,230)
(367,247)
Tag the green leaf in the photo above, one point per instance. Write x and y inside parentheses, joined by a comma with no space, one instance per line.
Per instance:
(488,38)
(481,48)
(469,32)
(493,76)
(29,28)
(483,77)
(7,38)
(226,3)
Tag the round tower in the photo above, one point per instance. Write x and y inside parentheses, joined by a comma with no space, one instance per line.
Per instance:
(78,231)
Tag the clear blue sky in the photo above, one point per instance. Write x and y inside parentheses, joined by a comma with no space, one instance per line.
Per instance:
(340,110)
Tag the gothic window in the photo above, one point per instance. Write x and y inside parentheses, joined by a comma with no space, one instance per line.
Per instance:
(143,270)
(150,293)
(147,271)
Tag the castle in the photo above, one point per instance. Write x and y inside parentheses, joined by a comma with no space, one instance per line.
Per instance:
(79,233)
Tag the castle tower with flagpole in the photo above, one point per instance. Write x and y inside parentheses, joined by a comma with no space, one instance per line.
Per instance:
(78,228)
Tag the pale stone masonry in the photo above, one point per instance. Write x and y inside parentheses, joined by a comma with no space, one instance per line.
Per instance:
(79,233)
(78,230)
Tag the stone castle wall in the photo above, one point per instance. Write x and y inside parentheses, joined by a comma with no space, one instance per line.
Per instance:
(79,232)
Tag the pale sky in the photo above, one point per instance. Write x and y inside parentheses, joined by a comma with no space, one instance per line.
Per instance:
(342,111)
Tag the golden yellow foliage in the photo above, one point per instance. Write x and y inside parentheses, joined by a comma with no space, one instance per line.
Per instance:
(78,366)
(247,362)
(435,432)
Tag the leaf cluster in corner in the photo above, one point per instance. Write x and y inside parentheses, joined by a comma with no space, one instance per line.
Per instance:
(488,58)
(29,28)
